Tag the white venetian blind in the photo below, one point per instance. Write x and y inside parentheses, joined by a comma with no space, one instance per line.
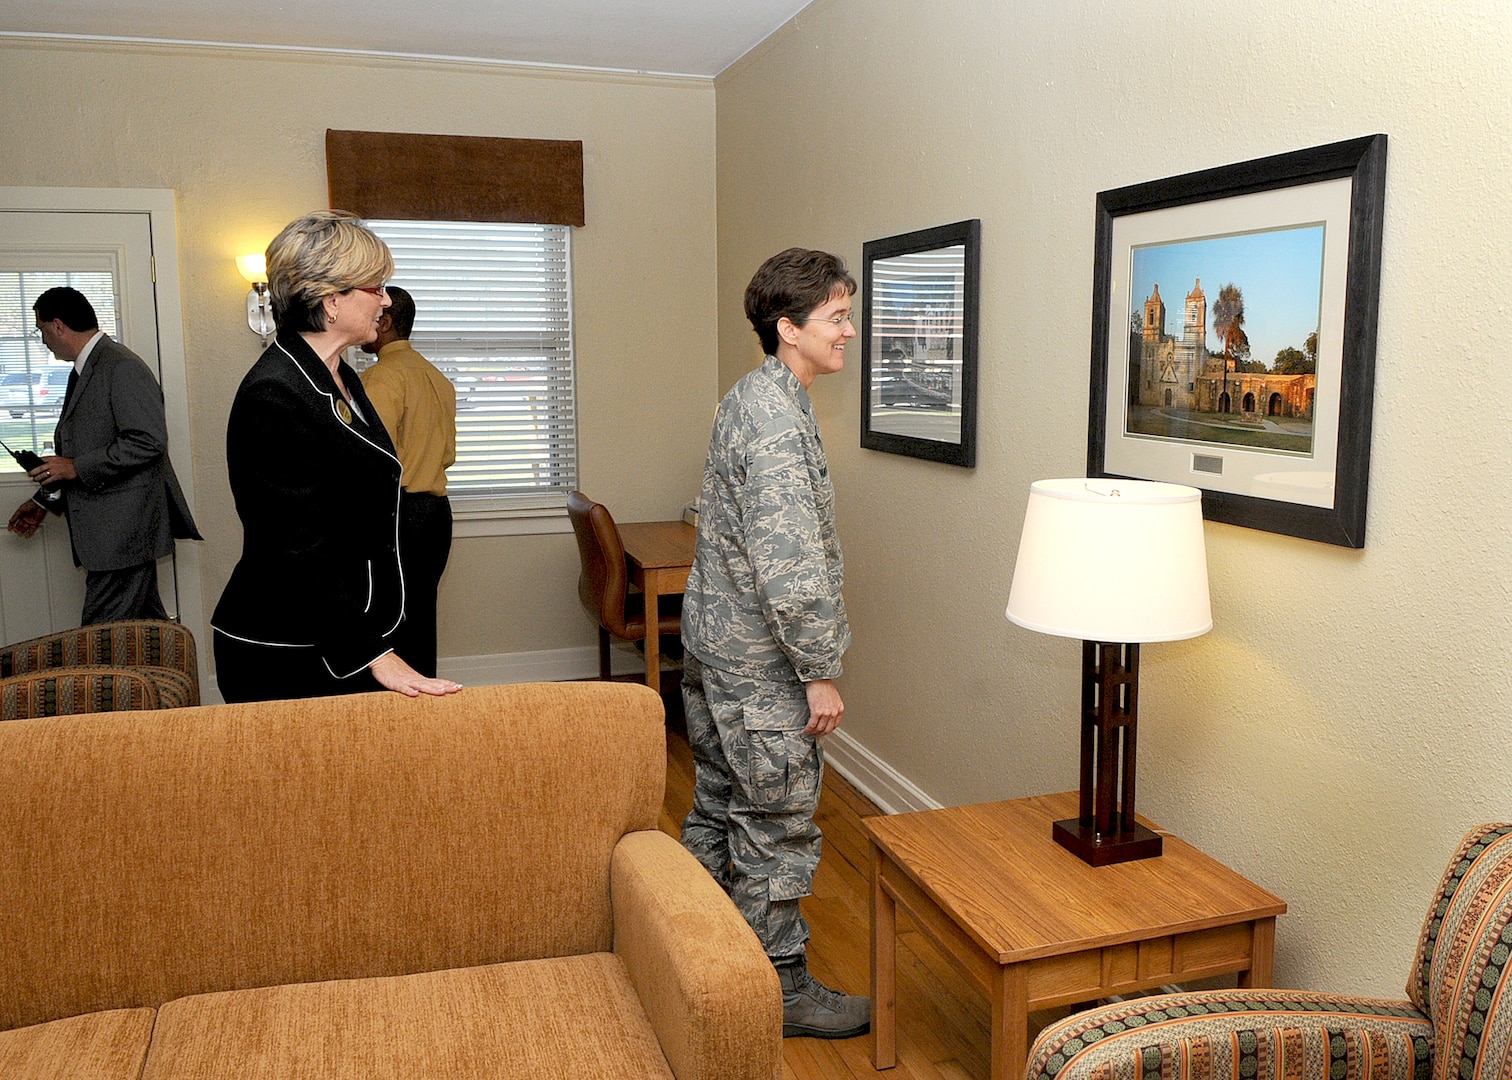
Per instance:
(493,308)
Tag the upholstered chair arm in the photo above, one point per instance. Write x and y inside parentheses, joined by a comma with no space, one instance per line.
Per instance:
(1238,1035)
(175,688)
(65,691)
(708,988)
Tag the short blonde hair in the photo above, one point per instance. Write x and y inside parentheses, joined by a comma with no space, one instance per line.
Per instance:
(318,255)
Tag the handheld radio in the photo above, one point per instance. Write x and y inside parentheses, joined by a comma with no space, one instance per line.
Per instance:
(27,459)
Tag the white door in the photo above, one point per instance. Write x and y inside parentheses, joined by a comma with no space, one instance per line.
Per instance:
(107,255)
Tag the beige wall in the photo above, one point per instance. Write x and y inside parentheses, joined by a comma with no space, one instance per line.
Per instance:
(1337,731)
(241,138)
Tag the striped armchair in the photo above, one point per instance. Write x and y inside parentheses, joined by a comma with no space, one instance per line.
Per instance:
(1451,1027)
(164,651)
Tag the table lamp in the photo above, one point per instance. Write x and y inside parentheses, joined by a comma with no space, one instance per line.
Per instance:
(1116,563)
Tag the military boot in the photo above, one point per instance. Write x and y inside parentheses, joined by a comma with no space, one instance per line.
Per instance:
(812,1009)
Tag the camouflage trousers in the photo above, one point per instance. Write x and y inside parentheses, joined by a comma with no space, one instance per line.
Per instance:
(755,790)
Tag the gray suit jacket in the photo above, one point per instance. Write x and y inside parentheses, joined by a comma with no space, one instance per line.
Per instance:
(126,507)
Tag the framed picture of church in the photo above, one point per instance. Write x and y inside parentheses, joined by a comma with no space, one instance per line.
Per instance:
(919,304)
(1234,336)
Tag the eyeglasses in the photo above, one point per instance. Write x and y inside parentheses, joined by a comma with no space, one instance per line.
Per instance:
(36,332)
(376,290)
(838,320)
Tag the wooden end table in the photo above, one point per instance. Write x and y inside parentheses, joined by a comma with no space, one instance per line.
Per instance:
(1032,926)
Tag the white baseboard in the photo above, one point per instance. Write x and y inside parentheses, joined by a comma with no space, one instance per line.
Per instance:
(893,792)
(546,665)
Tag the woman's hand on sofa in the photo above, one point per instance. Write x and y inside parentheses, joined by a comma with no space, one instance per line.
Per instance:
(393,673)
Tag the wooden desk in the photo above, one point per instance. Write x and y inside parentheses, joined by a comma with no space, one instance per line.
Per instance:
(1033,926)
(659,555)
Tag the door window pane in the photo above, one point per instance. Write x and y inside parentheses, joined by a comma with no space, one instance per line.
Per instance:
(32,380)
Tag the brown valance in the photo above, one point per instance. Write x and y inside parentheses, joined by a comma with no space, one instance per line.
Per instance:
(394,175)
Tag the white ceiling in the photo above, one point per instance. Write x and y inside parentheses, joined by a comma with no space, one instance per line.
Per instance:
(673,37)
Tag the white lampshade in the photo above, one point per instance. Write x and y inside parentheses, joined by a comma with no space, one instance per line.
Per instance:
(1112,560)
(253,268)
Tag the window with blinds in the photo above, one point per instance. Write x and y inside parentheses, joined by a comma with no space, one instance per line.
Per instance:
(493,311)
(32,380)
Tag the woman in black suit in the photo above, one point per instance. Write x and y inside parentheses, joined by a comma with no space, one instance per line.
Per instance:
(313,603)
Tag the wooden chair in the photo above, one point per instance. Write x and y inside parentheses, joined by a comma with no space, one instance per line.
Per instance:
(604,585)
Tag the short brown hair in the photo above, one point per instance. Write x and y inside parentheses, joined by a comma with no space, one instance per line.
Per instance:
(791,284)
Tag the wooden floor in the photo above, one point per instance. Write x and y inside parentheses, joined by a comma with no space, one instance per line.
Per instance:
(942,1020)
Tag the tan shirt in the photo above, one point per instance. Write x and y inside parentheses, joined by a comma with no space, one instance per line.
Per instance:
(418,406)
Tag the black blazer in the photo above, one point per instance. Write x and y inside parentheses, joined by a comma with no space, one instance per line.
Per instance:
(317,490)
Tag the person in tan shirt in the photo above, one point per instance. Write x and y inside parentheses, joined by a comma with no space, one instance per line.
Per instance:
(418,406)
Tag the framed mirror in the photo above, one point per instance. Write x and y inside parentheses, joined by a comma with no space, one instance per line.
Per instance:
(919,343)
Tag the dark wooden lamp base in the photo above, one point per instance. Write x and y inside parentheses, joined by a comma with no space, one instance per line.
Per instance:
(1104,831)
(1103,849)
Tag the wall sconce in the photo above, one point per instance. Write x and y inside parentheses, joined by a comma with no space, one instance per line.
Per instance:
(254,269)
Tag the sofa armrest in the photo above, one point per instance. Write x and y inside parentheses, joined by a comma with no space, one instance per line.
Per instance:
(710,992)
(1234,1034)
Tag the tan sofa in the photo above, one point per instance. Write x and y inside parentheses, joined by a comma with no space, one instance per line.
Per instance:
(366,887)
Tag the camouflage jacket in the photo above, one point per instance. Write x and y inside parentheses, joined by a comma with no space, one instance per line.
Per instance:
(763,598)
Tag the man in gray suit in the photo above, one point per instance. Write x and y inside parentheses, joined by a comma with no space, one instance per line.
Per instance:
(111,476)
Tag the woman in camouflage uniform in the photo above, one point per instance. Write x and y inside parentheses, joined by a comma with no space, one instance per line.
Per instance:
(764,629)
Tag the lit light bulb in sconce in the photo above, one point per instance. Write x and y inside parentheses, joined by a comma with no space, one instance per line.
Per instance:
(254,269)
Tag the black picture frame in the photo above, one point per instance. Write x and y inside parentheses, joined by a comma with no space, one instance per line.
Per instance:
(919,389)
(1319,494)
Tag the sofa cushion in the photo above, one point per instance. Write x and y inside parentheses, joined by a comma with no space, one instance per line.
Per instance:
(574,1017)
(98,1046)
